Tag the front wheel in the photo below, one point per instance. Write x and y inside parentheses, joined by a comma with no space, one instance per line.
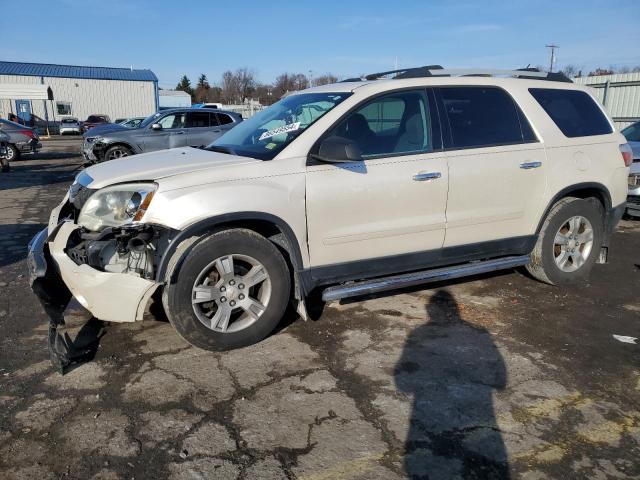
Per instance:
(569,242)
(117,151)
(230,291)
(13,153)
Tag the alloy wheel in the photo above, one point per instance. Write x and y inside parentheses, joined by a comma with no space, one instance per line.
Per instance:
(573,243)
(231,293)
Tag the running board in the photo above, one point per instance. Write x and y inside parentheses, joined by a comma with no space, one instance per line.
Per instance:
(418,278)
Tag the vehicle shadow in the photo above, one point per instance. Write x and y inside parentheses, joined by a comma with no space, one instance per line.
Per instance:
(452,369)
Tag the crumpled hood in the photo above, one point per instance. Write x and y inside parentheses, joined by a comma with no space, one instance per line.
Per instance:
(160,164)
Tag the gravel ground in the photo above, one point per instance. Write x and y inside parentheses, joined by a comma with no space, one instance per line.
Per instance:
(494,377)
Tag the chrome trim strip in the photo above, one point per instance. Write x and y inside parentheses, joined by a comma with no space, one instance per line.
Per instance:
(418,278)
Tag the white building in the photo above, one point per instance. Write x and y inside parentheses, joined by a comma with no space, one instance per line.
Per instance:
(173,99)
(77,92)
(619,93)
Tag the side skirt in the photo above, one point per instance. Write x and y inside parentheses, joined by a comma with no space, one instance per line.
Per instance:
(414,262)
(419,278)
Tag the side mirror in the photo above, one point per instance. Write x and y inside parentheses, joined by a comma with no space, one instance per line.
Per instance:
(338,150)
(156,126)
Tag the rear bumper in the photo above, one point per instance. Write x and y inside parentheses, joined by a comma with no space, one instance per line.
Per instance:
(633,200)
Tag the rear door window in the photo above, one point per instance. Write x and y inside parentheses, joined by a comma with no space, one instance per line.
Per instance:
(198,120)
(223,119)
(484,117)
(574,112)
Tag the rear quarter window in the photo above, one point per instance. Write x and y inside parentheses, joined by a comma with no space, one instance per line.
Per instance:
(574,112)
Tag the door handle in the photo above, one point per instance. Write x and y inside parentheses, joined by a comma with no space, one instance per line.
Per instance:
(530,165)
(180,133)
(422,177)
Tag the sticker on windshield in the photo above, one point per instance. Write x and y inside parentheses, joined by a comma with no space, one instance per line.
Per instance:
(292,127)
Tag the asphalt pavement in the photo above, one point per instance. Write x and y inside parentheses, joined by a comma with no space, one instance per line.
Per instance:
(498,376)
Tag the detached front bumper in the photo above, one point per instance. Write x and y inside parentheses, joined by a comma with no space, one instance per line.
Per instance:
(55,278)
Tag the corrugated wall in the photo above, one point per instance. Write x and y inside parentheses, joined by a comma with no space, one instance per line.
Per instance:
(619,93)
(116,98)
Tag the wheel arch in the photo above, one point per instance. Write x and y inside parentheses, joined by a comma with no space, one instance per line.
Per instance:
(580,190)
(117,143)
(270,226)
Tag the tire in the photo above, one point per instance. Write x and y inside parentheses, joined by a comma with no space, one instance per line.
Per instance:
(117,151)
(13,154)
(198,303)
(556,258)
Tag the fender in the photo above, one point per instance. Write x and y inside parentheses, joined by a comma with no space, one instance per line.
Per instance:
(206,224)
(565,192)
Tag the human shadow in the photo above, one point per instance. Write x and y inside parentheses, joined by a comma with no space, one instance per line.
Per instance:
(452,369)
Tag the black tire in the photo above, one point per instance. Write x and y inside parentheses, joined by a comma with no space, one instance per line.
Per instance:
(117,151)
(13,154)
(543,263)
(177,296)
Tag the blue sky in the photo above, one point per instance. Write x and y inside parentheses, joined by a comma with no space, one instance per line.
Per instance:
(343,37)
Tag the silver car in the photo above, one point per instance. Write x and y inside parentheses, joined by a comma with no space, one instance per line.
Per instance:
(181,127)
(70,125)
(21,139)
(632,134)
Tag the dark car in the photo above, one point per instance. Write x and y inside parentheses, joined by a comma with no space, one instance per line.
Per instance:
(179,127)
(95,120)
(21,139)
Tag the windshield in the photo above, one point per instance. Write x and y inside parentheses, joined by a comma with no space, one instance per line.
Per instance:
(150,119)
(266,134)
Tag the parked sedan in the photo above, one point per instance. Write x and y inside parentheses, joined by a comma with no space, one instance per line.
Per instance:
(181,127)
(632,134)
(70,125)
(94,121)
(21,139)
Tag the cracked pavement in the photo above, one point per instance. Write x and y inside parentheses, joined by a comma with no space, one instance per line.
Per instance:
(494,377)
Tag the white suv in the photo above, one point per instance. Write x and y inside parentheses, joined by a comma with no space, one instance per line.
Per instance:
(369,184)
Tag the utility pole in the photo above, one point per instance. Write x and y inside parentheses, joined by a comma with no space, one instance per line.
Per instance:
(553,55)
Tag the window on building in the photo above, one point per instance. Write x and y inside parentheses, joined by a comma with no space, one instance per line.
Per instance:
(483,117)
(63,108)
(574,112)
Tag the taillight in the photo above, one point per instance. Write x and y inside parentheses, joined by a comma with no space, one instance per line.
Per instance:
(28,133)
(627,154)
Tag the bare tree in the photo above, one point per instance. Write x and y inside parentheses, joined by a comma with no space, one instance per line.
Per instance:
(237,86)
(325,79)
(571,71)
(289,82)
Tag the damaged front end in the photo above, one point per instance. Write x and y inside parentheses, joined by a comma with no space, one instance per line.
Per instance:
(110,271)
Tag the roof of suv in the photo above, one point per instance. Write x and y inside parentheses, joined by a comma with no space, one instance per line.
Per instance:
(203,109)
(439,76)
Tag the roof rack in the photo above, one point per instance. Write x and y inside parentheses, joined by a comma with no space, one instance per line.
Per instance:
(438,71)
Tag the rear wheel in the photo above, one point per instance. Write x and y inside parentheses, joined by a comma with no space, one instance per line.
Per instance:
(230,291)
(569,242)
(117,151)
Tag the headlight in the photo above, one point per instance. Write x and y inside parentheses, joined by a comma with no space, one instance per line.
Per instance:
(116,206)
(92,139)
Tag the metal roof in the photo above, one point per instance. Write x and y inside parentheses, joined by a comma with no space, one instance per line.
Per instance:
(75,71)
